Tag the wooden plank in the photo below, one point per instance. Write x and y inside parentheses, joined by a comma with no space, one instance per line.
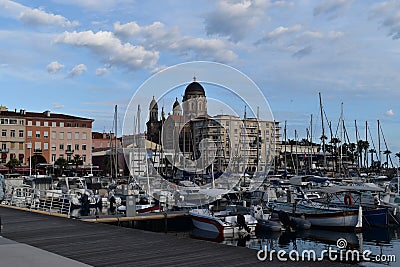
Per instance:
(99,244)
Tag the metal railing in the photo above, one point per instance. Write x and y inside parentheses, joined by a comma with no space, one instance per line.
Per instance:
(53,202)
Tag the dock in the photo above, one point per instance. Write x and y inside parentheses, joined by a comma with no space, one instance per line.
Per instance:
(98,244)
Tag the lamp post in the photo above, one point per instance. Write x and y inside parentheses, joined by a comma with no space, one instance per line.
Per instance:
(30,158)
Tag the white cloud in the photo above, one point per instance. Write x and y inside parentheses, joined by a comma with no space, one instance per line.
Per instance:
(58,106)
(388,13)
(389,113)
(96,4)
(159,37)
(77,70)
(159,68)
(234,19)
(54,67)
(111,50)
(332,8)
(33,16)
(279,32)
(101,71)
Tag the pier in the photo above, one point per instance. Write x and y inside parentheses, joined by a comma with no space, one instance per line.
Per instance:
(99,244)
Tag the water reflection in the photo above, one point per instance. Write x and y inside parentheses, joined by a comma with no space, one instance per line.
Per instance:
(380,241)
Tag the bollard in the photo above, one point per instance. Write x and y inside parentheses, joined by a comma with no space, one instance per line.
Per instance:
(165,223)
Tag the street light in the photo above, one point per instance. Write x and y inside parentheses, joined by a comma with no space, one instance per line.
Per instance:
(30,158)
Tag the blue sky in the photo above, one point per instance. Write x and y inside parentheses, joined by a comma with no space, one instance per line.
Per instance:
(84,57)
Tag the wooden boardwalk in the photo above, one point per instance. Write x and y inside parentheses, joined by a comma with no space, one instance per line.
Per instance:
(99,244)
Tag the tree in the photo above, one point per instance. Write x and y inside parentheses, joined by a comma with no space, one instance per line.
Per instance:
(372,152)
(61,163)
(77,160)
(398,156)
(12,163)
(387,152)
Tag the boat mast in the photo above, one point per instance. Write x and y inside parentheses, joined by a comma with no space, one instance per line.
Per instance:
(366,140)
(116,148)
(323,129)
(379,144)
(341,140)
(311,141)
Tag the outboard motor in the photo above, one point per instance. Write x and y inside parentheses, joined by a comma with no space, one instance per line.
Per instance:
(285,220)
(241,222)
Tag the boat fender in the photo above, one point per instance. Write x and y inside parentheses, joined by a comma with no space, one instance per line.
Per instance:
(348,200)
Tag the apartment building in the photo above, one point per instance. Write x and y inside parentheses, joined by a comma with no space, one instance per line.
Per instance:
(44,135)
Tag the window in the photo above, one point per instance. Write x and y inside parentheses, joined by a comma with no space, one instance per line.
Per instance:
(21,146)
(29,145)
(69,147)
(29,123)
(53,135)
(76,124)
(83,147)
(84,136)
(83,125)
(69,135)
(61,135)
(53,147)
(61,146)
(46,124)
(38,123)
(12,145)
(76,146)
(13,121)
(69,124)
(46,134)
(4,121)
(29,134)
(61,156)
(37,134)
(3,146)
(76,136)
(38,145)
(12,133)
(21,133)
(46,146)
(3,133)
(61,124)
(53,157)
(21,122)
(53,124)
(68,157)
(84,158)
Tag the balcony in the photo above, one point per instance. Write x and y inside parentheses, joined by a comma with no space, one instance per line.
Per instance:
(5,150)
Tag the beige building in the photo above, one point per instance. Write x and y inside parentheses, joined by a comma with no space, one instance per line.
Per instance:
(46,136)
(12,136)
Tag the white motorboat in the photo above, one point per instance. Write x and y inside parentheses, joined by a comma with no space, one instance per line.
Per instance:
(233,220)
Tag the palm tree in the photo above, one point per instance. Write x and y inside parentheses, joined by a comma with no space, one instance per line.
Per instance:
(12,163)
(77,160)
(372,152)
(365,146)
(61,163)
(387,152)
(398,156)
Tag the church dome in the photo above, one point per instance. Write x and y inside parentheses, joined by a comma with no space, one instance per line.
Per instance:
(194,88)
(176,104)
(153,104)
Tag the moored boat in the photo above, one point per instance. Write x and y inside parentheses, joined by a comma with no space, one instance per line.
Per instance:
(233,220)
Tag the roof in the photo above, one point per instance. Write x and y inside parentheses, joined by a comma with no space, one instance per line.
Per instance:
(45,114)
(195,88)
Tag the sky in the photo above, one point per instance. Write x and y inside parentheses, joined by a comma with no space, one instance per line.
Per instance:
(84,57)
